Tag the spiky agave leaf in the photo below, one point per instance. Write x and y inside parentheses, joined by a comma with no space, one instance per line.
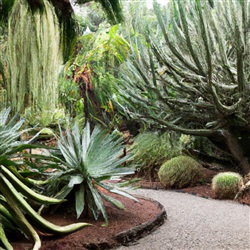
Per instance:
(9,132)
(103,158)
(91,158)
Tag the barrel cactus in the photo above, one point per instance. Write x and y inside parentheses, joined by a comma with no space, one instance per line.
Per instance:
(226,185)
(179,172)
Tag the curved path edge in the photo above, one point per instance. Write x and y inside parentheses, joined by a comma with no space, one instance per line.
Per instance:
(137,232)
(195,223)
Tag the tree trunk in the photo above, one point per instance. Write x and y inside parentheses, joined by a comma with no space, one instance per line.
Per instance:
(237,151)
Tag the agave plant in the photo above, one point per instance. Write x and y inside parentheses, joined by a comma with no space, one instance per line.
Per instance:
(9,132)
(15,194)
(14,209)
(11,147)
(87,162)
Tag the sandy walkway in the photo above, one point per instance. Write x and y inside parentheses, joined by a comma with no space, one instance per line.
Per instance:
(197,223)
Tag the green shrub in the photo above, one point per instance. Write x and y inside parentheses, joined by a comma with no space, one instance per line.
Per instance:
(226,185)
(153,149)
(180,172)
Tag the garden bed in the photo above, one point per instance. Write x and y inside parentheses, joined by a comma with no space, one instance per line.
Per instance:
(204,191)
(138,220)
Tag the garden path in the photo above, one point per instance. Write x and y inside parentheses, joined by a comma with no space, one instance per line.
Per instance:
(196,223)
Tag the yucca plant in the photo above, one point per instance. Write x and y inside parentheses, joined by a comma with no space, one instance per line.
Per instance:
(87,162)
(15,195)
(12,148)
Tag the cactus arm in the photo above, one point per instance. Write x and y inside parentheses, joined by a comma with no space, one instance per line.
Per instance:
(171,126)
(189,43)
(170,45)
(223,108)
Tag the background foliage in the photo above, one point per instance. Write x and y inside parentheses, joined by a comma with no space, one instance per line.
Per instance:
(189,73)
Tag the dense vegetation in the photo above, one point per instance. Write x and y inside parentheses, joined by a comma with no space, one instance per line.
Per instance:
(190,73)
(172,81)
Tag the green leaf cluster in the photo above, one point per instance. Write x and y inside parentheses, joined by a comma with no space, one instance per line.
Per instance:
(98,58)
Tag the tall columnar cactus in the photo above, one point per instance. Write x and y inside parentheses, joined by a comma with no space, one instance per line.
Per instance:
(193,74)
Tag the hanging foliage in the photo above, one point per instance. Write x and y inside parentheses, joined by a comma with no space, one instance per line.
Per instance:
(35,55)
(41,35)
(98,58)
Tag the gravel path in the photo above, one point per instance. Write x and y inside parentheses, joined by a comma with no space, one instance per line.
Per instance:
(196,223)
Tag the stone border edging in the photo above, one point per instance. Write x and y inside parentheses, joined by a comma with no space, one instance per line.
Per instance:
(131,235)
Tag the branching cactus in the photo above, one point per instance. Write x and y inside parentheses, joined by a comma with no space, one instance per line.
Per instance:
(190,73)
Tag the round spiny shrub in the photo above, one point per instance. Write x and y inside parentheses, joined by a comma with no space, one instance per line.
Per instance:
(226,185)
(179,172)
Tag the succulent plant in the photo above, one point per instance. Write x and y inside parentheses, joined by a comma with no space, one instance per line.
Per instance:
(226,185)
(180,171)
(87,160)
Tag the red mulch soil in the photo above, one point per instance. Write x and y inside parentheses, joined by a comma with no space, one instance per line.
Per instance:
(138,220)
(204,191)
(135,222)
